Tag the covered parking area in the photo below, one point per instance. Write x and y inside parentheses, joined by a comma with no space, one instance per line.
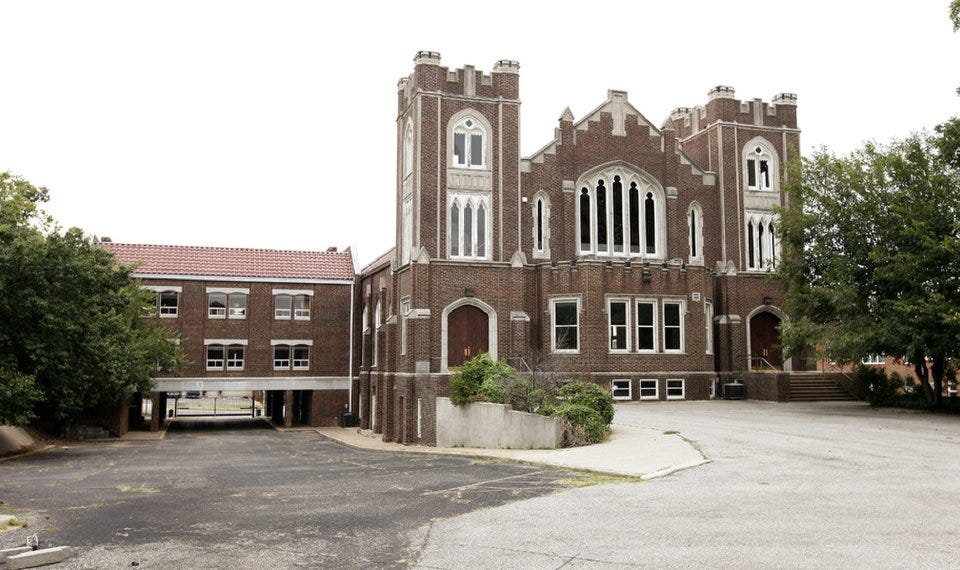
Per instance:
(316,402)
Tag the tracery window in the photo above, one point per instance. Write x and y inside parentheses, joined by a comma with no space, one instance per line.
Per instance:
(621,213)
(469,144)
(469,225)
(760,165)
(763,247)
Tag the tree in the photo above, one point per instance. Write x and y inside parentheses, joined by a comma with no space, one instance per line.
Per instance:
(71,334)
(872,260)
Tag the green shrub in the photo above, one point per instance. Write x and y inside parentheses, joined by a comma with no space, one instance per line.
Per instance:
(480,379)
(590,395)
(873,385)
(584,424)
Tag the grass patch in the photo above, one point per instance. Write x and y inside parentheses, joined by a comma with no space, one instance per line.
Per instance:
(589,479)
(16,522)
(671,432)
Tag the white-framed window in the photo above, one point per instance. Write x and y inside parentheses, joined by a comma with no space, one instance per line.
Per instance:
(673,326)
(695,233)
(708,324)
(469,144)
(225,303)
(565,324)
(646,325)
(676,389)
(168,303)
(620,212)
(620,390)
(618,319)
(759,166)
(873,359)
(291,354)
(469,225)
(237,305)
(763,245)
(235,357)
(215,357)
(217,305)
(649,389)
(291,304)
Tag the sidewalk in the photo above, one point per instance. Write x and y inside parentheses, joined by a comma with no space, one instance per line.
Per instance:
(630,451)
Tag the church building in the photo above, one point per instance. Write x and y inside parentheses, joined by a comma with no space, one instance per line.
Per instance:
(634,256)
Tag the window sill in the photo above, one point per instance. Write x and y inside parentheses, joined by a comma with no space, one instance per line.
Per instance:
(216,317)
(622,398)
(649,398)
(168,316)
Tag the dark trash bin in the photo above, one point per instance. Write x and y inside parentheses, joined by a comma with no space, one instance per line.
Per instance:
(348,419)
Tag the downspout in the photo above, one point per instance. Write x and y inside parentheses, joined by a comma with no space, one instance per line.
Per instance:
(350,355)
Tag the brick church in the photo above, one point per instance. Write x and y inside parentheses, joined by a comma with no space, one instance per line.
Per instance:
(628,254)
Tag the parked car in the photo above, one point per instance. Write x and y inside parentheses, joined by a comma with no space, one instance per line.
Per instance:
(193,394)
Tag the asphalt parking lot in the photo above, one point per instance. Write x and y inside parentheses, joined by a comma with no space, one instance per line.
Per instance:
(226,493)
(818,485)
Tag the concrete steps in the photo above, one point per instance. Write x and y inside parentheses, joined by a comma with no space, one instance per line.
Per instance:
(816,388)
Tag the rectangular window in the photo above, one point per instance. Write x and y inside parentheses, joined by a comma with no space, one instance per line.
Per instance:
(301,357)
(169,302)
(873,359)
(618,325)
(235,358)
(459,148)
(281,357)
(476,150)
(283,305)
(751,173)
(301,307)
(621,390)
(646,326)
(675,389)
(238,306)
(764,174)
(215,357)
(404,310)
(565,326)
(649,390)
(217,305)
(708,324)
(672,326)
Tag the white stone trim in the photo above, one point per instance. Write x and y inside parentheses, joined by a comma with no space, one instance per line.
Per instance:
(225,341)
(228,290)
(293,292)
(163,288)
(291,342)
(254,383)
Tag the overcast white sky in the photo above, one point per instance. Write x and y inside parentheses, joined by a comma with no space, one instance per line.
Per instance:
(272,124)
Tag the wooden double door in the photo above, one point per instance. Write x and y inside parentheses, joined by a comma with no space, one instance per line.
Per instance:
(468,334)
(765,340)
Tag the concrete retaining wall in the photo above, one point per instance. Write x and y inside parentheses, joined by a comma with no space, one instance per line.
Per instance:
(495,426)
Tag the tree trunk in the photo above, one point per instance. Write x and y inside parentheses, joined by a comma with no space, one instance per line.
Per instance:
(939,364)
(923,375)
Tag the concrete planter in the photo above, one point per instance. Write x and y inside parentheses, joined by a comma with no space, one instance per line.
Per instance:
(495,426)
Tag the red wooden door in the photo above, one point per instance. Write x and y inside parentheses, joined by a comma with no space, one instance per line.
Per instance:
(467,334)
(765,339)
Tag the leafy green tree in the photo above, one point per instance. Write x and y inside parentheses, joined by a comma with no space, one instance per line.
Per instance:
(872,261)
(71,334)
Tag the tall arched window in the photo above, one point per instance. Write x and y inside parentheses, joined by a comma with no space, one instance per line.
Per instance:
(541,225)
(469,139)
(585,238)
(620,212)
(408,150)
(650,222)
(763,248)
(695,227)
(760,165)
(601,217)
(469,225)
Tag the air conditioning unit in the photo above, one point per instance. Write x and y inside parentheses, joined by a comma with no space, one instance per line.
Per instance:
(734,391)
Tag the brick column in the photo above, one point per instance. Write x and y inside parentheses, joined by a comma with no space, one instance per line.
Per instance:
(156,415)
(288,408)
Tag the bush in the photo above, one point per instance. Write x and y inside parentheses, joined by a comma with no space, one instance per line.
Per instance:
(480,379)
(873,385)
(584,424)
(590,395)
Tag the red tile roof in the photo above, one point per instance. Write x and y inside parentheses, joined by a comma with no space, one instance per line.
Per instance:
(234,262)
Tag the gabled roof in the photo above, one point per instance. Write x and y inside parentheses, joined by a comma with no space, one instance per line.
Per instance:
(380,262)
(232,262)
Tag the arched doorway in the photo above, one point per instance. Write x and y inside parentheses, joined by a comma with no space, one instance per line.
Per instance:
(765,341)
(468,334)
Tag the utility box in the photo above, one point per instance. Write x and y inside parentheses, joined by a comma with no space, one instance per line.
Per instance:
(734,391)
(348,420)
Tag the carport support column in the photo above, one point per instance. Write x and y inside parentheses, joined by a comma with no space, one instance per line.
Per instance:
(288,408)
(157,412)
